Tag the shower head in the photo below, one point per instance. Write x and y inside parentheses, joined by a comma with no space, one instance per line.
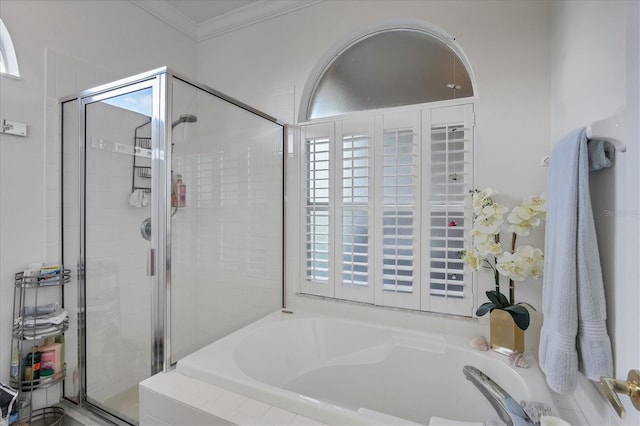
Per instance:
(184,118)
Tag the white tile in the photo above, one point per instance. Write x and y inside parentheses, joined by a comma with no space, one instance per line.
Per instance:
(222,411)
(278,416)
(164,383)
(210,393)
(242,420)
(231,400)
(188,394)
(148,420)
(301,420)
(253,408)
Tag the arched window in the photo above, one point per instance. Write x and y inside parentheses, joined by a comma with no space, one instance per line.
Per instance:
(386,68)
(8,60)
(385,192)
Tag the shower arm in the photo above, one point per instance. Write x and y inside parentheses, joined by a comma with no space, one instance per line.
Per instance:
(184,118)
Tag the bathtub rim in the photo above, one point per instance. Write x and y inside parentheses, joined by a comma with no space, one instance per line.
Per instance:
(231,377)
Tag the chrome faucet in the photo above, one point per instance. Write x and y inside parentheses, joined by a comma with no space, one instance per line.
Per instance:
(507,408)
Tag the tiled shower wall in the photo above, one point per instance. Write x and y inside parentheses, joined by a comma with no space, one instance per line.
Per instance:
(227,242)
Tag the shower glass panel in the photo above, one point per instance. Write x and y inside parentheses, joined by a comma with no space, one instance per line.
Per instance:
(118,291)
(226,268)
(172,225)
(71,241)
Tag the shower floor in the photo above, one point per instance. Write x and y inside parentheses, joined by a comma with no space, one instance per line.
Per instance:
(126,402)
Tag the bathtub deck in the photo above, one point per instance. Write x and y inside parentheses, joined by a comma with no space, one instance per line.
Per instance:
(174,399)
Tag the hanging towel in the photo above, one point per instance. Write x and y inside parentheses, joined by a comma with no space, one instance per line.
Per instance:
(135,199)
(144,198)
(139,198)
(574,334)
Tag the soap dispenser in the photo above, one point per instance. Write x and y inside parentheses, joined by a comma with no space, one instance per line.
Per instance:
(181,189)
(50,357)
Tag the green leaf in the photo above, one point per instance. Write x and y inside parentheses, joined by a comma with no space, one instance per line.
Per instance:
(484,308)
(520,316)
(498,299)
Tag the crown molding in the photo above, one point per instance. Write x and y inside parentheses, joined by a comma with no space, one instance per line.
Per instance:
(239,18)
(248,15)
(170,16)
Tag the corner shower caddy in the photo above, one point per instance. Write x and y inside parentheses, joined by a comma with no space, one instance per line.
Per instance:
(29,287)
(141,161)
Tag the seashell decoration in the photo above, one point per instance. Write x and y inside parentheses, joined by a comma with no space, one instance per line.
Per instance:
(479,343)
(518,359)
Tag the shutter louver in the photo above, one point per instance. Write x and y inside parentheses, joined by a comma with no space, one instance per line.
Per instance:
(355,210)
(450,179)
(398,221)
(384,209)
(317,209)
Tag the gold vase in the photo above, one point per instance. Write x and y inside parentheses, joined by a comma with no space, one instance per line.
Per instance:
(506,337)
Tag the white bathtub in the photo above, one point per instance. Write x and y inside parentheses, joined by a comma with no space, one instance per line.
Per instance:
(342,371)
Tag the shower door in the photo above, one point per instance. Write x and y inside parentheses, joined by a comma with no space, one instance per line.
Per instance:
(121,160)
(172,225)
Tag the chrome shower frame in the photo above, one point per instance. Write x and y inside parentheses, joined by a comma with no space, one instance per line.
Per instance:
(159,255)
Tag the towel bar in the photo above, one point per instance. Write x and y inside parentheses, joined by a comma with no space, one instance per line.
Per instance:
(611,387)
(611,129)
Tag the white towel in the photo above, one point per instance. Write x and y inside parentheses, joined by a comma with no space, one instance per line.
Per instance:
(56,319)
(139,198)
(574,334)
(135,199)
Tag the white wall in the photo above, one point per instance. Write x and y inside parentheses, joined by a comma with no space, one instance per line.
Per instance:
(593,75)
(542,68)
(508,45)
(62,47)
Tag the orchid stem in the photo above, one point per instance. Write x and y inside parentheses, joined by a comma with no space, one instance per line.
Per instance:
(512,289)
(496,274)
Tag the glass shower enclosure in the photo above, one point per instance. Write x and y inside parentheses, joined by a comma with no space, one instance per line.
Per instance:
(172,204)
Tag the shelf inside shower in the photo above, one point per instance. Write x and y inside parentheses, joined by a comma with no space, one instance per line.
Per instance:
(142,159)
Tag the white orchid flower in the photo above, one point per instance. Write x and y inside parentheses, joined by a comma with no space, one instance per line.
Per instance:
(513,266)
(524,263)
(473,259)
(479,199)
(494,209)
(520,213)
(489,225)
(537,203)
(523,227)
(488,247)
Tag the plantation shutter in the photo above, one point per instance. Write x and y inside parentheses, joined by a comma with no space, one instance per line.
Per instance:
(400,221)
(354,150)
(384,209)
(317,142)
(451,179)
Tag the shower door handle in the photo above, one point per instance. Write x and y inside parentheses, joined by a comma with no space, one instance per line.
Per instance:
(151,262)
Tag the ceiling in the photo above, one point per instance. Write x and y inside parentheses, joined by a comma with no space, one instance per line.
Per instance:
(203,19)
(203,10)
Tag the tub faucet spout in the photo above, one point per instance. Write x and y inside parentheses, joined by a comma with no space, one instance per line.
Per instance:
(507,408)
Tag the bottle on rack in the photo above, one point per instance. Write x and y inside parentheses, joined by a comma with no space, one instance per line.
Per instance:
(15,363)
(181,189)
(60,339)
(50,357)
(32,365)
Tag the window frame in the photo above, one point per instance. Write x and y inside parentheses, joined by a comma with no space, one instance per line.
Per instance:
(422,122)
(8,54)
